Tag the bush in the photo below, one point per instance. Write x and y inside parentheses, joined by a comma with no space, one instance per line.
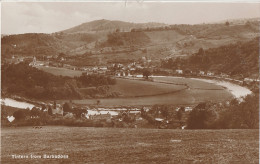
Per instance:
(21,114)
(244,115)
(201,117)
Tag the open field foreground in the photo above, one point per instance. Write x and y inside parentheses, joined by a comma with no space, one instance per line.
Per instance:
(105,145)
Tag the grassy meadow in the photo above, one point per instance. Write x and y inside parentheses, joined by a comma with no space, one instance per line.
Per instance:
(193,84)
(60,71)
(164,90)
(136,88)
(115,145)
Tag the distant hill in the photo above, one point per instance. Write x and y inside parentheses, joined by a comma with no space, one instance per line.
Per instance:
(240,21)
(125,41)
(109,26)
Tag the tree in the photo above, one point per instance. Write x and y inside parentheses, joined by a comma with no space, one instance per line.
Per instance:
(43,107)
(227,23)
(180,112)
(201,117)
(54,105)
(19,114)
(146,73)
(242,115)
(4,114)
(79,112)
(98,102)
(67,108)
(201,51)
(50,110)
(35,112)
(164,111)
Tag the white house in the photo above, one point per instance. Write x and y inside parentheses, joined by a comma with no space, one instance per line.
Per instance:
(179,71)
(202,73)
(58,110)
(104,68)
(210,73)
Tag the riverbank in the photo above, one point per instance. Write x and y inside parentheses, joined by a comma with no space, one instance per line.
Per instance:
(236,90)
(214,89)
(16,104)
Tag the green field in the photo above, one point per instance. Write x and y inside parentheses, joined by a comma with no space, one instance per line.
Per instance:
(177,91)
(193,84)
(115,145)
(164,90)
(60,71)
(138,88)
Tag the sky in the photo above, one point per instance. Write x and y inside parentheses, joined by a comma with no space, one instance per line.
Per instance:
(49,17)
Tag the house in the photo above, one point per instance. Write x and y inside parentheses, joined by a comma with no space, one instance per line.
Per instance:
(202,73)
(94,68)
(188,109)
(103,68)
(37,63)
(159,119)
(62,59)
(224,75)
(118,74)
(140,76)
(179,71)
(14,60)
(210,74)
(251,80)
(58,110)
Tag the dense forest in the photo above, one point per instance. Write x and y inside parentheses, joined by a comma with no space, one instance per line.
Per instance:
(23,80)
(233,59)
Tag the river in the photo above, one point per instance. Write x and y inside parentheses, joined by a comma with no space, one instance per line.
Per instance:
(16,104)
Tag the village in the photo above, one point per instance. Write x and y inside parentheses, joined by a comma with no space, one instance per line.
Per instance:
(134,69)
(128,116)
(160,116)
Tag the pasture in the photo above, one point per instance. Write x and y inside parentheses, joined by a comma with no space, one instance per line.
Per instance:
(115,145)
(60,71)
(164,90)
(193,84)
(138,88)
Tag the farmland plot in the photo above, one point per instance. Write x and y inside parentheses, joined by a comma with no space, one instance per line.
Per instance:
(116,145)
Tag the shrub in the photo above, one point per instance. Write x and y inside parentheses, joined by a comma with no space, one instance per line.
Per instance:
(201,117)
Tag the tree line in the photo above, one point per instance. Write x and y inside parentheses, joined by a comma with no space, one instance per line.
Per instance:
(23,80)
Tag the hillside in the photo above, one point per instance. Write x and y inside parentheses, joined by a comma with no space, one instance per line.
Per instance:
(109,26)
(239,59)
(30,45)
(128,41)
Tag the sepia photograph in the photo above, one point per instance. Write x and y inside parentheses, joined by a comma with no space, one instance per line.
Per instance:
(130,81)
